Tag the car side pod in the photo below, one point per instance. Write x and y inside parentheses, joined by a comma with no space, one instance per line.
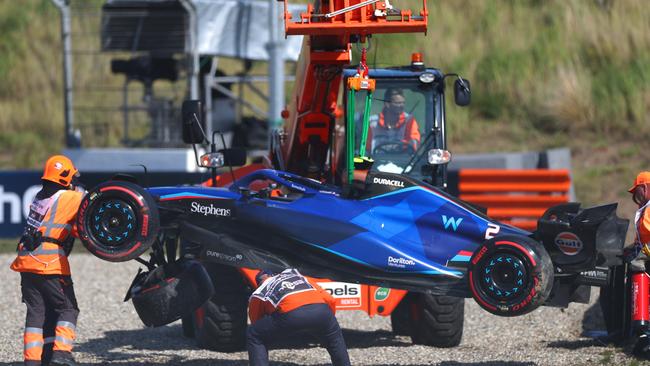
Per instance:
(510,275)
(118,221)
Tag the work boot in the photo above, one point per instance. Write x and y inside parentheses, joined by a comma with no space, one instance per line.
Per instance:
(642,347)
(62,358)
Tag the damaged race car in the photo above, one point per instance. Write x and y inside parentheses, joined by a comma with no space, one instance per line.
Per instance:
(388,230)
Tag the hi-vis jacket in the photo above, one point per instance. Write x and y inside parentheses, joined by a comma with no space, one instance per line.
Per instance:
(53,218)
(284,292)
(406,130)
(642,225)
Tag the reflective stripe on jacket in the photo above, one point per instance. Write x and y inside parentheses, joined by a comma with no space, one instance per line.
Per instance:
(49,258)
(284,292)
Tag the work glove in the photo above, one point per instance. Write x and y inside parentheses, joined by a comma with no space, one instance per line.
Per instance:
(645,249)
(30,241)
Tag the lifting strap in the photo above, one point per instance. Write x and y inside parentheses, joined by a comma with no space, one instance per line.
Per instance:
(359,82)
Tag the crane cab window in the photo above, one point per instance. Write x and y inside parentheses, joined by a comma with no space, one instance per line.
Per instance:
(401,116)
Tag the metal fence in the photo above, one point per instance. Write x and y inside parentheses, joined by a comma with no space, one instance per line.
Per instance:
(127,70)
(130,63)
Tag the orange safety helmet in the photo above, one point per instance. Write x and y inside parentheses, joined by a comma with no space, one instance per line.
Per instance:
(642,178)
(59,169)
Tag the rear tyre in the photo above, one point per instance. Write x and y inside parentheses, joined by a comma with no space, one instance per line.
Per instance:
(437,320)
(510,275)
(220,324)
(170,292)
(118,221)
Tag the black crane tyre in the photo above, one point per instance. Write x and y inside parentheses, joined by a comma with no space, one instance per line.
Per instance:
(437,320)
(220,324)
(187,323)
(399,317)
(170,292)
(118,221)
(510,275)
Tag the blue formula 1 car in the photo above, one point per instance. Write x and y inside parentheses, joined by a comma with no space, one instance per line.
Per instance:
(386,227)
(392,225)
(391,231)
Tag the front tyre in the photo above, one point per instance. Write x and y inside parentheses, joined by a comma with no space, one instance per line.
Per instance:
(118,221)
(510,275)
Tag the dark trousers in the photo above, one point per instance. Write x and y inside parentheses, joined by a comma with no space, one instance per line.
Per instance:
(316,319)
(51,316)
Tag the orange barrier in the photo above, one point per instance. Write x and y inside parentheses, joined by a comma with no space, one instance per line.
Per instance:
(516,197)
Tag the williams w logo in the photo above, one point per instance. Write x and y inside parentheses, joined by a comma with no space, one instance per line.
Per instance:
(452,221)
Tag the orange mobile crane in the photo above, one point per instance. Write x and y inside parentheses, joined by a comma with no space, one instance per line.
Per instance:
(317,141)
(331,27)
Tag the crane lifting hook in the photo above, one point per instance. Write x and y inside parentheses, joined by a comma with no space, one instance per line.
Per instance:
(363,66)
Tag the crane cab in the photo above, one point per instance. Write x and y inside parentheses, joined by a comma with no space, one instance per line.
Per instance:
(405,127)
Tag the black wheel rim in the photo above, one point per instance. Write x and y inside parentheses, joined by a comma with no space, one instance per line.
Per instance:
(504,276)
(113,222)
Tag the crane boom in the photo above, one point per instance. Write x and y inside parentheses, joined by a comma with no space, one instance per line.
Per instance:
(331,26)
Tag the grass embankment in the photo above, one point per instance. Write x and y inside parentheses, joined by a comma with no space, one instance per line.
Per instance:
(31,107)
(544,74)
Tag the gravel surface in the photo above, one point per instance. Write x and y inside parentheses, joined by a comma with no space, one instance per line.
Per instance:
(110,332)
